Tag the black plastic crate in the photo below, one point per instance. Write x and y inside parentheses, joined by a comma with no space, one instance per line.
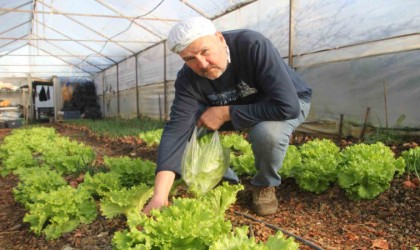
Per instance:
(71,115)
(14,123)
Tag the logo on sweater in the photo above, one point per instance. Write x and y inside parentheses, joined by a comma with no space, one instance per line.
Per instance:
(245,90)
(224,98)
(230,96)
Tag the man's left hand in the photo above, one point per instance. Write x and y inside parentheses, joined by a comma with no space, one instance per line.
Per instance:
(214,117)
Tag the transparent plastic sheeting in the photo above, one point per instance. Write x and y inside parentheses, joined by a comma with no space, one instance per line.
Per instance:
(325,24)
(127,74)
(350,87)
(151,65)
(128,103)
(150,98)
(75,44)
(99,83)
(89,35)
(110,84)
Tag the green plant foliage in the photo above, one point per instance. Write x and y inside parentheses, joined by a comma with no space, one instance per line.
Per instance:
(32,147)
(319,165)
(384,135)
(412,160)
(236,142)
(152,137)
(291,161)
(239,240)
(68,157)
(100,184)
(124,201)
(117,127)
(241,156)
(278,241)
(243,164)
(132,171)
(16,159)
(34,181)
(220,198)
(186,224)
(22,147)
(367,170)
(60,211)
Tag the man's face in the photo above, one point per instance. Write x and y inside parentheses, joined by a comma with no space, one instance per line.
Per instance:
(207,56)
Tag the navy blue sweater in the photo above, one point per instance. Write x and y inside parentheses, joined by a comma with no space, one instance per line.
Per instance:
(257,85)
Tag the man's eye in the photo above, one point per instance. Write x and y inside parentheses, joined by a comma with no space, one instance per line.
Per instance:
(188,59)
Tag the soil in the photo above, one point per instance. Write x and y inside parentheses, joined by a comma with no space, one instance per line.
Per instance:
(328,220)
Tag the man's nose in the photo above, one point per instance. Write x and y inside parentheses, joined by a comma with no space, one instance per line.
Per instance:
(202,62)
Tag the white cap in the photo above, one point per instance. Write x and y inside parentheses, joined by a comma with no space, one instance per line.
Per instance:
(185,32)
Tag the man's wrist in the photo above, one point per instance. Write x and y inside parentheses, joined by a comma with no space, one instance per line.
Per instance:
(227,113)
(163,184)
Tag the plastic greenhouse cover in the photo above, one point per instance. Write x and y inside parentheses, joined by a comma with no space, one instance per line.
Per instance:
(90,36)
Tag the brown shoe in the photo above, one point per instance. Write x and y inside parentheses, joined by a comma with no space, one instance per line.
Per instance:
(264,201)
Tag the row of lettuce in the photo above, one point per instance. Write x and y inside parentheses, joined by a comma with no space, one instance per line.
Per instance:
(43,161)
(362,170)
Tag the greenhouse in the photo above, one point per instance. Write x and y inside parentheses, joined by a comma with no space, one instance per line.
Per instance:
(89,88)
(357,56)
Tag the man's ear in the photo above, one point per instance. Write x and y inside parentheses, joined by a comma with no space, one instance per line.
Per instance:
(220,37)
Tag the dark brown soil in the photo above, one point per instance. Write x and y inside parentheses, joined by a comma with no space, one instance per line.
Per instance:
(329,220)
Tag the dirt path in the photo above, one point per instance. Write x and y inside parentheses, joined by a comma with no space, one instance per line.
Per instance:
(329,220)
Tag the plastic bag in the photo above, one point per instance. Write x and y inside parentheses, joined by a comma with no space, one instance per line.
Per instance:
(204,163)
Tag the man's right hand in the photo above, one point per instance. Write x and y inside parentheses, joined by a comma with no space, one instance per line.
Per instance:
(214,117)
(163,184)
(155,203)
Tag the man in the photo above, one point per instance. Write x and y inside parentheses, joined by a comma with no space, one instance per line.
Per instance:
(235,78)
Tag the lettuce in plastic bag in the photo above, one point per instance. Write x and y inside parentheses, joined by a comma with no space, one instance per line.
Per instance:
(204,163)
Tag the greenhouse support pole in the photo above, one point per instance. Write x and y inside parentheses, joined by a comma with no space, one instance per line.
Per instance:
(291,33)
(362,134)
(386,106)
(340,126)
(30,108)
(57,98)
(165,85)
(103,94)
(160,108)
(137,87)
(118,91)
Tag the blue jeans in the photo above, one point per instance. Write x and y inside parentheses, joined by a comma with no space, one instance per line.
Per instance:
(269,140)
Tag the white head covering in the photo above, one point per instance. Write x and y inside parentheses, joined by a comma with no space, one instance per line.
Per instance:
(185,32)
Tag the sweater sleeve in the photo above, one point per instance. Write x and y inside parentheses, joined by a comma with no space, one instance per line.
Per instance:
(275,79)
(184,113)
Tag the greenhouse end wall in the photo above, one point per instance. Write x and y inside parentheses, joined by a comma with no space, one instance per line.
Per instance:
(150,99)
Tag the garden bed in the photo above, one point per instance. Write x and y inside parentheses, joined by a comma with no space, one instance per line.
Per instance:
(329,220)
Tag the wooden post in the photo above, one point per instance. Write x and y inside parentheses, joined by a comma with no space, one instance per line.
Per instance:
(340,128)
(137,88)
(165,85)
(291,33)
(118,92)
(160,108)
(103,94)
(362,134)
(386,106)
